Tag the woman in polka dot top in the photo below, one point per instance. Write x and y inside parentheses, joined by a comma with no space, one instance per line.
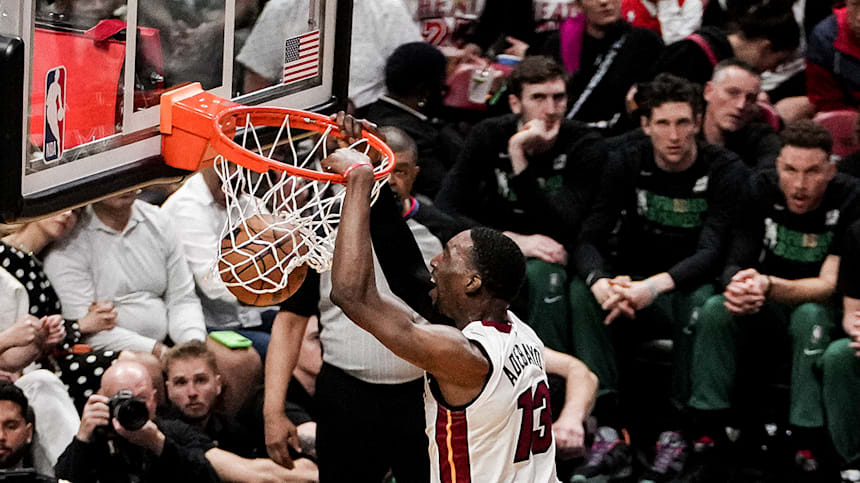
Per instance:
(79,367)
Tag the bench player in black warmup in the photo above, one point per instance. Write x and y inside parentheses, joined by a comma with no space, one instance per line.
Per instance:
(674,199)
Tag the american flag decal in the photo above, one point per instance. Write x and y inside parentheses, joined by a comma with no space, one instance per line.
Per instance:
(301,57)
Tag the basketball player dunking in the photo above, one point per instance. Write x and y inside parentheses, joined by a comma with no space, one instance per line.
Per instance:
(486,398)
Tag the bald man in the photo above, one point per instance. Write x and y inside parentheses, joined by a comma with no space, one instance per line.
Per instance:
(731,116)
(162,450)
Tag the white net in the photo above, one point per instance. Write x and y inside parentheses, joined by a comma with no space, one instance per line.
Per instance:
(276,221)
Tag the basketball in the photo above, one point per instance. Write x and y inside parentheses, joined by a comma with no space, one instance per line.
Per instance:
(255,255)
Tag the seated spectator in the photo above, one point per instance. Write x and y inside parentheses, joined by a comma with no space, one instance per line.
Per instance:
(833,60)
(126,254)
(730,115)
(56,419)
(17,421)
(511,26)
(763,36)
(840,364)
(430,226)
(672,201)
(198,210)
(378,28)
(531,173)
(605,60)
(780,277)
(672,19)
(161,450)
(193,386)
(80,369)
(414,77)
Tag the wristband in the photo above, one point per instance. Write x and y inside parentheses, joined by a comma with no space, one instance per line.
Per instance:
(769,285)
(651,287)
(355,165)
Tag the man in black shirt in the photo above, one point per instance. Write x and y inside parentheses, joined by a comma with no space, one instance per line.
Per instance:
(840,363)
(731,96)
(780,277)
(605,60)
(193,387)
(763,35)
(16,419)
(431,226)
(673,201)
(414,79)
(531,174)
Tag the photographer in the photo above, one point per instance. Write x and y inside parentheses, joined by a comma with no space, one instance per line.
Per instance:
(108,448)
(106,451)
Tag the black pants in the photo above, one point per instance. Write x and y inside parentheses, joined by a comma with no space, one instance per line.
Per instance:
(364,429)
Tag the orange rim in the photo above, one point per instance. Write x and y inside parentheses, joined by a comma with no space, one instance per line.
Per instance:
(228,121)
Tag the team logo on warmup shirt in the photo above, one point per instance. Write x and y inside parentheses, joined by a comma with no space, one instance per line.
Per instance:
(673,212)
(794,245)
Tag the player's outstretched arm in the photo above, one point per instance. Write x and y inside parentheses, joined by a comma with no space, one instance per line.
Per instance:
(580,395)
(285,345)
(441,350)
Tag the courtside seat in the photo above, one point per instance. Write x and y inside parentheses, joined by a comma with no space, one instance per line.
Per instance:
(843,127)
(769,115)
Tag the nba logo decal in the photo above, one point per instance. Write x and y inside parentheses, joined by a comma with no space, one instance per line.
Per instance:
(55,113)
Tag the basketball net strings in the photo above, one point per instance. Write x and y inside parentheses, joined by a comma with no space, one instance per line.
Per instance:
(302,214)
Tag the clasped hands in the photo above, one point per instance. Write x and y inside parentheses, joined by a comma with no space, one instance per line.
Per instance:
(746,292)
(622,296)
(46,332)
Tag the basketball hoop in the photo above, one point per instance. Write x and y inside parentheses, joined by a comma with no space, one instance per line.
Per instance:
(266,179)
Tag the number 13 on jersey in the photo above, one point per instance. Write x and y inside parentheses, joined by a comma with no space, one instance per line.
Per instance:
(534,438)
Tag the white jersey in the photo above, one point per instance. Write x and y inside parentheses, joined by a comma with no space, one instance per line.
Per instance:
(505,434)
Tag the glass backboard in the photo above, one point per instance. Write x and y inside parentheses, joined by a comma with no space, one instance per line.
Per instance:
(81,111)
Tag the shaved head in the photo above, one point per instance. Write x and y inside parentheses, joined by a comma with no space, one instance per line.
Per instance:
(132,376)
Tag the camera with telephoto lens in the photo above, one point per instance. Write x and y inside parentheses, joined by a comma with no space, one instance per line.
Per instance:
(130,411)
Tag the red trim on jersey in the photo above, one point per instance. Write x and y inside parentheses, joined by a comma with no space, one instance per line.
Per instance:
(504,327)
(452,441)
